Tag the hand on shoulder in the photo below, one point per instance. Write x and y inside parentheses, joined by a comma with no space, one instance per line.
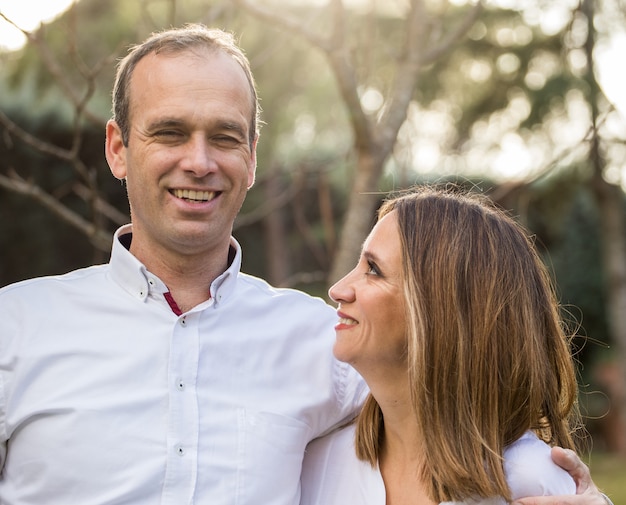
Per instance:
(586,491)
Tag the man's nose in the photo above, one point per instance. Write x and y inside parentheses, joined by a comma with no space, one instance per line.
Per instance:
(200,156)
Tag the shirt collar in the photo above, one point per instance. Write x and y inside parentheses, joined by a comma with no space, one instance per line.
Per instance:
(133,277)
(224,285)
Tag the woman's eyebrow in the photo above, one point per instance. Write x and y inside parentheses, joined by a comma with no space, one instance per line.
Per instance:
(370,256)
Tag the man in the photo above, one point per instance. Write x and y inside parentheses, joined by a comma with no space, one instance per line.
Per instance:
(167,376)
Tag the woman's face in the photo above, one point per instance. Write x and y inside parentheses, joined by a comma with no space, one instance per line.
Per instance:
(371,333)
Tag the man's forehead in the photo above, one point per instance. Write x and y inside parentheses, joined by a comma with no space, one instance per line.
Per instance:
(153,68)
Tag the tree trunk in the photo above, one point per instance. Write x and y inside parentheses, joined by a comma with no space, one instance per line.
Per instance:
(610,200)
(360,213)
(276,248)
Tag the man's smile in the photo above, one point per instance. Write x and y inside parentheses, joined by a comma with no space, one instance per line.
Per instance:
(193,195)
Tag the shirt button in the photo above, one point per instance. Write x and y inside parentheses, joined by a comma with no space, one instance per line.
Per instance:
(183,322)
(180,451)
(180,384)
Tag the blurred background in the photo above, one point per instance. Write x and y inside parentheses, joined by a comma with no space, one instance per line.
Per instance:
(524,100)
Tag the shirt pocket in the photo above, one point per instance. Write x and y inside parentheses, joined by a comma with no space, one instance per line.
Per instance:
(271,449)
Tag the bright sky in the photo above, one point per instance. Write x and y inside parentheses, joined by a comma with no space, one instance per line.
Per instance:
(611,74)
(27,14)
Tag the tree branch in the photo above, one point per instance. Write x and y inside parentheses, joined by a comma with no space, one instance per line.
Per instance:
(337,53)
(98,237)
(37,144)
(269,206)
(453,36)
(285,21)
(60,77)
(339,57)
(407,75)
(100,205)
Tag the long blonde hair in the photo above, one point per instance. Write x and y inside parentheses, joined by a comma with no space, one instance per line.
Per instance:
(488,357)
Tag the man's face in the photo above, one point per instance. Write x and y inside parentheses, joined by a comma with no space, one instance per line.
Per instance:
(188,163)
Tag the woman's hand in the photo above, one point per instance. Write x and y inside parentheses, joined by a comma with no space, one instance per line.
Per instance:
(586,491)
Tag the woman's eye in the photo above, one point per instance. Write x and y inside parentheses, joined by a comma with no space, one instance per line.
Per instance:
(372,268)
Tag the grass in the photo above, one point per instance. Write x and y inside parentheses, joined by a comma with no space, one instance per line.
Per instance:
(609,474)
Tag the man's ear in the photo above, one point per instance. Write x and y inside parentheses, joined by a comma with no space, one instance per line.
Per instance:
(252,163)
(114,150)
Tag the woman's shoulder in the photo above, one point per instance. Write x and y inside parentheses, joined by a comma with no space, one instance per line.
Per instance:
(333,475)
(530,470)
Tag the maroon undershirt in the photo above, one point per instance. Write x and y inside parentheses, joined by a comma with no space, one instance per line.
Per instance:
(172,303)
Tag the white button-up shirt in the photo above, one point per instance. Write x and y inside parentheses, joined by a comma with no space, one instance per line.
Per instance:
(332,474)
(108,397)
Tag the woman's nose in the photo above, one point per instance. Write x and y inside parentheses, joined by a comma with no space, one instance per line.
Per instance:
(342,290)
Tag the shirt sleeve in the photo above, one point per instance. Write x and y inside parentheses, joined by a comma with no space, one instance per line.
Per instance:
(332,474)
(530,470)
(5,360)
(3,426)
(351,390)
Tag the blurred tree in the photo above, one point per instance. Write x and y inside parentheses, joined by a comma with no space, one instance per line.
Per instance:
(360,98)
(610,201)
(367,56)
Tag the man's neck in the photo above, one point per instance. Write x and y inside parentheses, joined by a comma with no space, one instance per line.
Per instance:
(188,277)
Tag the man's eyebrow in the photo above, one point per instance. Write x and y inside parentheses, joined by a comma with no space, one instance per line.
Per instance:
(232,127)
(165,123)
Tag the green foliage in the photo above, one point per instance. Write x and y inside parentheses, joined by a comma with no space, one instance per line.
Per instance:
(564,215)
(608,472)
(32,240)
(307,140)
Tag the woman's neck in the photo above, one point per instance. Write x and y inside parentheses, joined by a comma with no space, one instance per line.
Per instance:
(402,451)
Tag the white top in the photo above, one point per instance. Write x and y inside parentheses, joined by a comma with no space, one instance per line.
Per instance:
(332,474)
(106,396)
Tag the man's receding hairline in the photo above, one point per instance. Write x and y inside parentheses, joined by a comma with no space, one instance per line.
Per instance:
(175,52)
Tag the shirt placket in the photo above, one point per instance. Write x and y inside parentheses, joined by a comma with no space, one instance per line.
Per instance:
(183,424)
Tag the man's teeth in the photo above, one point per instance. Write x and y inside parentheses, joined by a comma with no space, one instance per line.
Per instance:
(346,320)
(193,195)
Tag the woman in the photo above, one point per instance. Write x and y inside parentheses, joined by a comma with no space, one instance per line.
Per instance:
(451,319)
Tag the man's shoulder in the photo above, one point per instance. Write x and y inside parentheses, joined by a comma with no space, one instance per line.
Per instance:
(531,471)
(332,473)
(53,282)
(283,295)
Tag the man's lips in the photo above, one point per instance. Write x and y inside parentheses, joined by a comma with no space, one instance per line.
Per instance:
(193,195)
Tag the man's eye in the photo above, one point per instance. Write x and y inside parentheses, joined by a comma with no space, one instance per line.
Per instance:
(168,133)
(227,140)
